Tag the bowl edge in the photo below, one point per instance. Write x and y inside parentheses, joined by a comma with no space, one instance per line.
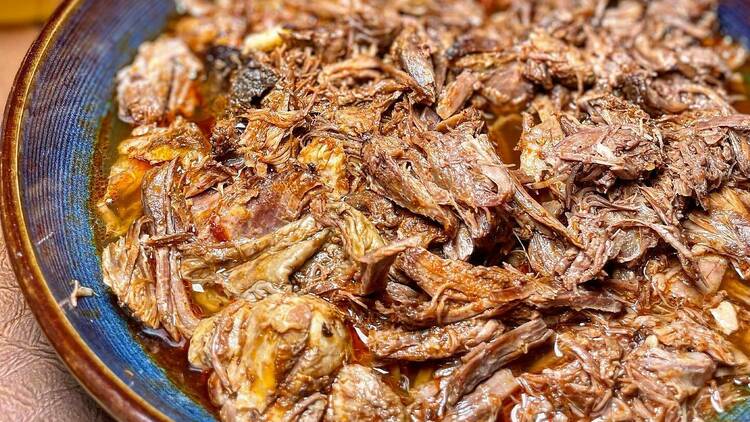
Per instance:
(103,385)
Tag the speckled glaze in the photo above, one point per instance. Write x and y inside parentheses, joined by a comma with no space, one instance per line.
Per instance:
(60,96)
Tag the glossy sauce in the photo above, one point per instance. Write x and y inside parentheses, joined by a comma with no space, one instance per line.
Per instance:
(173,359)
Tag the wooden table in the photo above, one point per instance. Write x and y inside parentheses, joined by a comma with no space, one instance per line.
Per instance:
(34,384)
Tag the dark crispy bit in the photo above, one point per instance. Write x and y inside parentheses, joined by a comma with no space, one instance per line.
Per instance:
(248,83)
(222,61)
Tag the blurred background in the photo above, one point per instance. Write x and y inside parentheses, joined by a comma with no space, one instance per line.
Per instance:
(20,12)
(20,21)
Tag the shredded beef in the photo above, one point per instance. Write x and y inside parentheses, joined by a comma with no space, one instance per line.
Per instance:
(458,210)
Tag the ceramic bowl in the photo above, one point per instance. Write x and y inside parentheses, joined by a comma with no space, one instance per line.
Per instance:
(54,115)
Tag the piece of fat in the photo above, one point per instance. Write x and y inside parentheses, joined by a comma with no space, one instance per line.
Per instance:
(726,317)
(263,41)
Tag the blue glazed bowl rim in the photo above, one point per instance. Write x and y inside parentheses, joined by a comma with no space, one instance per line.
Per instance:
(100,382)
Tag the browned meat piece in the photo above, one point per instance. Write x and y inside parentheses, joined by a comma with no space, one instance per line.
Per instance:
(455,94)
(686,333)
(486,401)
(507,90)
(583,376)
(455,290)
(310,409)
(414,309)
(624,144)
(376,265)
(326,272)
(701,151)
(160,84)
(533,408)
(413,51)
(547,297)
(549,59)
(253,206)
(204,175)
(206,254)
(606,153)
(670,280)
(529,212)
(358,234)
(328,159)
(146,146)
(538,140)
(268,272)
(164,205)
(724,229)
(450,280)
(664,379)
(394,222)
(622,229)
(433,343)
(459,169)
(369,258)
(476,41)
(268,356)
(264,142)
(467,167)
(358,394)
(182,139)
(476,366)
(201,33)
(698,168)
(120,204)
(126,270)
(392,178)
(255,267)
(483,360)
(546,254)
